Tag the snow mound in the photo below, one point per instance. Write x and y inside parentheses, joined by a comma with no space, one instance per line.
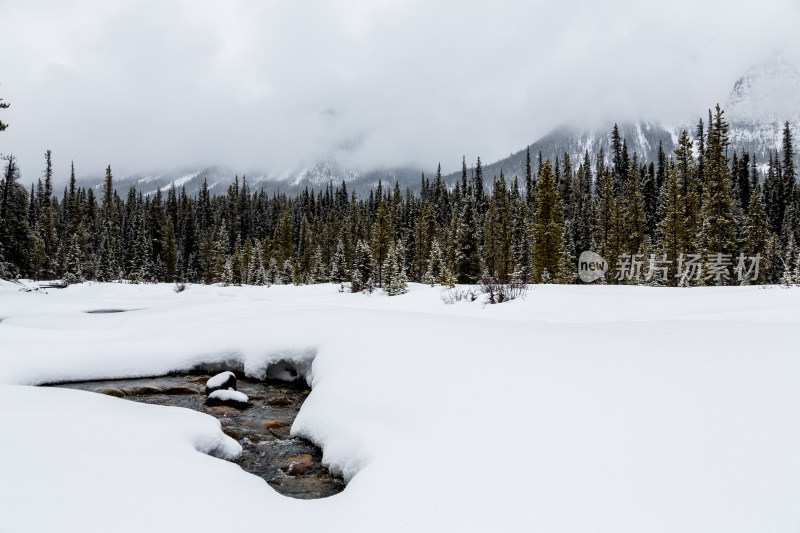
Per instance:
(220,379)
(229,395)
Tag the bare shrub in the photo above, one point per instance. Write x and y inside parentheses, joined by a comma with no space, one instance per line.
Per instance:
(497,293)
(457,294)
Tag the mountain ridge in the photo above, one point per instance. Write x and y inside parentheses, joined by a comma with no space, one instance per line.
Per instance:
(756,109)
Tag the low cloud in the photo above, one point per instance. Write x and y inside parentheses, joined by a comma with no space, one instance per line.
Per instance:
(273,85)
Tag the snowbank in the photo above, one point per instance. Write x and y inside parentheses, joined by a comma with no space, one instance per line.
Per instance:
(576,409)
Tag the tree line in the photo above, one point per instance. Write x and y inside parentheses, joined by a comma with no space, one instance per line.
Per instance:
(698,201)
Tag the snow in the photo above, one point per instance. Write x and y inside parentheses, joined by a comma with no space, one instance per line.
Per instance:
(578,408)
(178,182)
(219,379)
(229,395)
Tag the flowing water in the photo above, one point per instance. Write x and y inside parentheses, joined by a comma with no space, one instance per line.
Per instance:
(292,466)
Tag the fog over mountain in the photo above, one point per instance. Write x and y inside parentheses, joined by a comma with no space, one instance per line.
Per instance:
(759,104)
(755,118)
(359,90)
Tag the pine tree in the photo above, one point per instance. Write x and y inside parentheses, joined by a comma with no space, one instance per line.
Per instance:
(756,227)
(687,173)
(339,271)
(227,272)
(141,266)
(107,266)
(467,249)
(616,152)
(320,271)
(284,240)
(497,234)
(790,258)
(789,174)
(520,242)
(272,272)
(582,213)
(381,239)
(436,266)
(237,265)
(650,196)
(73,266)
(363,268)
(672,228)
(425,231)
(396,281)
(287,273)
(171,253)
(744,184)
(48,228)
(481,202)
(15,231)
(606,212)
(635,217)
(717,202)
(529,182)
(247,259)
(548,229)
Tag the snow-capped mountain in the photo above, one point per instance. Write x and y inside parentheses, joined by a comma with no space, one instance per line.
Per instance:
(756,109)
(641,138)
(315,177)
(759,105)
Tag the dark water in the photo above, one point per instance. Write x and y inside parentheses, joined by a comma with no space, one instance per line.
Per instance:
(290,465)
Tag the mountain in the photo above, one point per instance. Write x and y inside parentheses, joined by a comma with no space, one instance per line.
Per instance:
(756,109)
(758,106)
(642,138)
(219,179)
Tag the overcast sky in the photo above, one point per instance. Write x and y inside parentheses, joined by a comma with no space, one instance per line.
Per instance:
(147,85)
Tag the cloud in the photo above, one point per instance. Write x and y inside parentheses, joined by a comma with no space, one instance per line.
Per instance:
(273,85)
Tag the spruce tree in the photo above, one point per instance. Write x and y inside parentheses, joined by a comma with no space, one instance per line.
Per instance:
(425,232)
(396,281)
(718,231)
(170,252)
(107,266)
(635,216)
(287,273)
(15,231)
(687,175)
(285,240)
(339,271)
(436,266)
(520,242)
(672,227)
(604,210)
(467,248)
(363,268)
(320,271)
(381,239)
(272,276)
(548,229)
(790,258)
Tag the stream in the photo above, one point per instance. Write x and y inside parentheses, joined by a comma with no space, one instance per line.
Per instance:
(291,465)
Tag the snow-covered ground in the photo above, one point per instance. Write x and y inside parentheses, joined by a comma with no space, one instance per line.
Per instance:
(603,409)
